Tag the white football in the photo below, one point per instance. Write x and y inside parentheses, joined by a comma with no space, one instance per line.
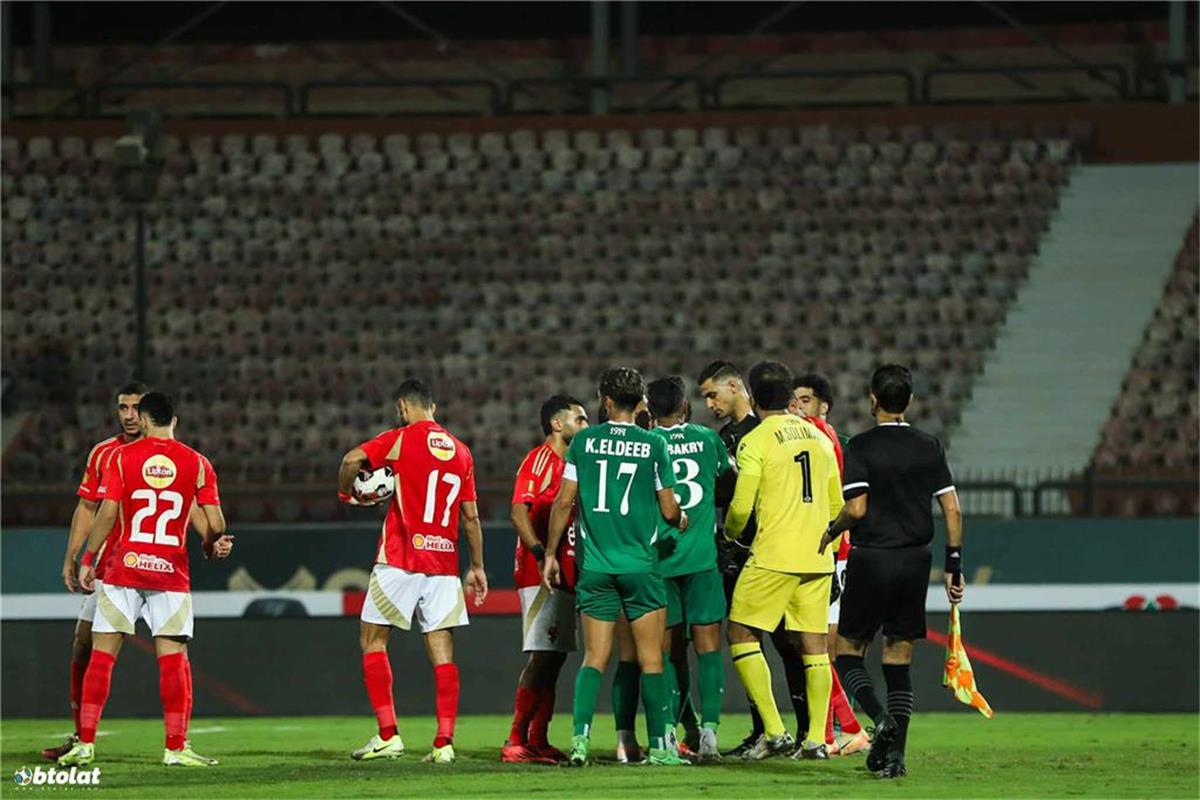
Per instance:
(379,485)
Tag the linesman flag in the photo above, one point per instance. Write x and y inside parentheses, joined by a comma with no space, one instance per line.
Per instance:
(959,677)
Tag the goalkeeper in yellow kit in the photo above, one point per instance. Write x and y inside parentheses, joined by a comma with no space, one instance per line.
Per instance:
(788,476)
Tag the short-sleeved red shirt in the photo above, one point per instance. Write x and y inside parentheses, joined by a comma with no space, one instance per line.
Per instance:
(89,487)
(156,481)
(844,548)
(435,475)
(536,486)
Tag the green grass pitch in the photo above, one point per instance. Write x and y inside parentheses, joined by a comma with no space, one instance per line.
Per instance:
(950,755)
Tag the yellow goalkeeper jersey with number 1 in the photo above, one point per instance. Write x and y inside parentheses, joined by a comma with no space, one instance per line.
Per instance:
(788,476)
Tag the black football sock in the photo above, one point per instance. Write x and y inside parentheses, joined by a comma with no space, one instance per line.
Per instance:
(756,723)
(899,700)
(793,669)
(857,681)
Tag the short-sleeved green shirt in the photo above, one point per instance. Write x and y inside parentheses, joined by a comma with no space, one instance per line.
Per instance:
(619,468)
(698,456)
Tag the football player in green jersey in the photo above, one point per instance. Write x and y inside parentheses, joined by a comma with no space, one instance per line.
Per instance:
(688,564)
(621,480)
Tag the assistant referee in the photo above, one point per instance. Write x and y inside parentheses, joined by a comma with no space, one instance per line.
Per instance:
(892,472)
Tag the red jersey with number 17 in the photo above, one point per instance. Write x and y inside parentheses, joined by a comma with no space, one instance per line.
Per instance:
(536,486)
(435,475)
(156,481)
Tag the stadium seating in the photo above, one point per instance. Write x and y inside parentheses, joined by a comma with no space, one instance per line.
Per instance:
(295,280)
(1151,430)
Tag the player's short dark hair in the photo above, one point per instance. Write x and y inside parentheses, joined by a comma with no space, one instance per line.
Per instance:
(415,390)
(553,406)
(666,396)
(133,387)
(771,385)
(819,384)
(625,386)
(158,406)
(892,386)
(718,371)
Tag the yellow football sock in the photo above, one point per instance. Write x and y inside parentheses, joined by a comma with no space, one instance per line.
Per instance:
(752,668)
(818,684)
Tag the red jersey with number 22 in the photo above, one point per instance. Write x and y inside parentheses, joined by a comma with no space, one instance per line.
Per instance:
(537,485)
(156,481)
(435,475)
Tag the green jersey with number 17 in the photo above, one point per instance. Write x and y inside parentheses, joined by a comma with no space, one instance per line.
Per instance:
(698,456)
(619,468)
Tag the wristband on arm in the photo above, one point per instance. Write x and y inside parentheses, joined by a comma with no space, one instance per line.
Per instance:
(539,551)
(89,558)
(953,560)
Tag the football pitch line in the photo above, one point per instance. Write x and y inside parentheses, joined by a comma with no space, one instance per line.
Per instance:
(950,755)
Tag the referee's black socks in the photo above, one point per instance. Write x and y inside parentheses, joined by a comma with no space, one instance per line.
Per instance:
(857,681)
(899,699)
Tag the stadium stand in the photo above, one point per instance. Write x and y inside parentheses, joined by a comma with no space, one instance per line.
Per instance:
(295,280)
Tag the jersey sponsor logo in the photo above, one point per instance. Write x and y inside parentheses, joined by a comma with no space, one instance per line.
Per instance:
(440,445)
(147,562)
(432,543)
(159,471)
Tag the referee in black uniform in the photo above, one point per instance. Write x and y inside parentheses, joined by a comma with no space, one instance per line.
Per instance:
(893,472)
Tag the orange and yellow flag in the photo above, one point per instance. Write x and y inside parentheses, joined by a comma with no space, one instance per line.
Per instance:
(959,676)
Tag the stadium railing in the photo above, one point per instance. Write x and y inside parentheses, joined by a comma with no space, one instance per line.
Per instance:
(884,90)
(484,97)
(1112,76)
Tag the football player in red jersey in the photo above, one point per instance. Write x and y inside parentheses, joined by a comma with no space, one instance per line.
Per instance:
(812,396)
(127,398)
(152,483)
(416,563)
(547,616)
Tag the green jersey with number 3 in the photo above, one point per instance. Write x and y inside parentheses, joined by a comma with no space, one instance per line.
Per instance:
(698,456)
(620,469)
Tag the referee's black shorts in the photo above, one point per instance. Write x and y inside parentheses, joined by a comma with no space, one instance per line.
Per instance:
(885,587)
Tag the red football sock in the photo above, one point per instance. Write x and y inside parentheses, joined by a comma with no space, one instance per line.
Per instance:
(94,694)
(191,698)
(172,691)
(539,727)
(445,678)
(523,709)
(377,675)
(78,669)
(840,705)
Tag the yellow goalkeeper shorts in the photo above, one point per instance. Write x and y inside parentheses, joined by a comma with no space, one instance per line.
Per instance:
(763,598)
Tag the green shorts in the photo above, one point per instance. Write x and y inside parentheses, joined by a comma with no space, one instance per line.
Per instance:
(603,596)
(697,598)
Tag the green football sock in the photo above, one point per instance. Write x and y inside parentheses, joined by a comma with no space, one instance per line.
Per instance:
(686,714)
(587,689)
(625,695)
(712,687)
(656,699)
(672,685)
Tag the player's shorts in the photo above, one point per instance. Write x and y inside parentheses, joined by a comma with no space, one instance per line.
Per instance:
(118,607)
(839,575)
(885,587)
(547,620)
(763,597)
(604,596)
(395,595)
(697,598)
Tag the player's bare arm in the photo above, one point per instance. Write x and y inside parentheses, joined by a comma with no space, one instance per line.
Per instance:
(560,515)
(854,510)
(476,576)
(81,521)
(103,523)
(668,506)
(523,525)
(954,538)
(209,521)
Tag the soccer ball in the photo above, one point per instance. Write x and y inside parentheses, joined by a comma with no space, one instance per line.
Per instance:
(375,487)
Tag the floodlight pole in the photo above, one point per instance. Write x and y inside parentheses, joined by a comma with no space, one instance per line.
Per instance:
(600,36)
(140,293)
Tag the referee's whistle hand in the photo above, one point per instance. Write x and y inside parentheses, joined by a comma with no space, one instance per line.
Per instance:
(954,591)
